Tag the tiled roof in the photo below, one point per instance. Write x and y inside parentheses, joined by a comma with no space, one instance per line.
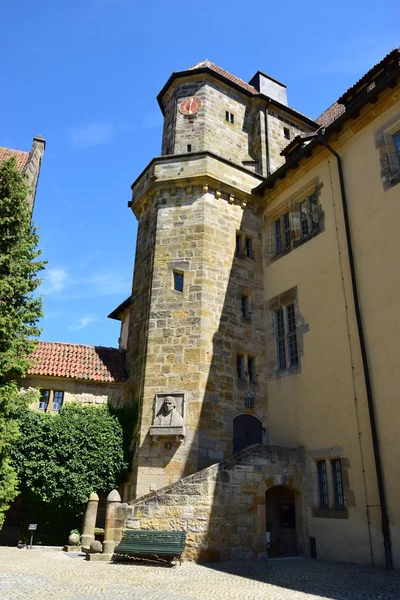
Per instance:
(331,114)
(94,363)
(21,156)
(209,65)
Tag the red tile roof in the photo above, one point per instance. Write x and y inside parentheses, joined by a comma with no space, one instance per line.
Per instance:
(210,65)
(21,156)
(75,361)
(330,114)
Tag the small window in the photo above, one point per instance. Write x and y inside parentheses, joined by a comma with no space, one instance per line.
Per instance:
(189,147)
(44,399)
(282,233)
(337,483)
(251,369)
(249,247)
(229,117)
(396,141)
(232,118)
(58,398)
(286,133)
(238,244)
(245,307)
(286,337)
(240,366)
(309,216)
(322,484)
(178,281)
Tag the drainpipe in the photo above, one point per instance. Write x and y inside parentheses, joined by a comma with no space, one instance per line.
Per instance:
(375,443)
(267,141)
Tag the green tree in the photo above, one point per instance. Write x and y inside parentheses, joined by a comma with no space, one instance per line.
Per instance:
(20,311)
(61,459)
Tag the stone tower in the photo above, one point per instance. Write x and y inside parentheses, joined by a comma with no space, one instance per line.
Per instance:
(196,329)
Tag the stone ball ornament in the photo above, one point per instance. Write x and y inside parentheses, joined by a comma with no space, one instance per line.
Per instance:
(73,539)
(96,547)
(190,106)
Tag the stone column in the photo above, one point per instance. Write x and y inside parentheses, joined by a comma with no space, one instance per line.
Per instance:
(89,521)
(112,528)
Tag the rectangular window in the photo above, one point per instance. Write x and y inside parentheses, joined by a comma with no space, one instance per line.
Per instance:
(44,399)
(189,147)
(282,233)
(286,133)
(286,337)
(337,483)
(229,117)
(238,244)
(178,281)
(322,484)
(232,118)
(245,307)
(249,247)
(58,398)
(251,369)
(396,141)
(309,215)
(240,366)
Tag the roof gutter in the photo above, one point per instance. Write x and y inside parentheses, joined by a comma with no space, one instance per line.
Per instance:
(371,409)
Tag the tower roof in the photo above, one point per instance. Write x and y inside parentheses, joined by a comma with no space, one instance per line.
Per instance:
(207,64)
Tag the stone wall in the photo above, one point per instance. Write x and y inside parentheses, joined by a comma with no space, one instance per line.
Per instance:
(222,507)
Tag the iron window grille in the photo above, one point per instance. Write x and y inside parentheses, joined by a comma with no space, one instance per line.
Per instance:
(323,484)
(286,337)
(396,142)
(178,281)
(337,483)
(58,398)
(282,233)
(309,215)
(44,399)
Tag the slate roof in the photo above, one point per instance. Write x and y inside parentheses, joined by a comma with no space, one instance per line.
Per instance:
(76,361)
(21,156)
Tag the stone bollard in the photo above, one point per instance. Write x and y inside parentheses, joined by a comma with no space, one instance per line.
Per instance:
(112,528)
(89,522)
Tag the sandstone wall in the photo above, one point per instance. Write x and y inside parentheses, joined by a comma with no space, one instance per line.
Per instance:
(223,507)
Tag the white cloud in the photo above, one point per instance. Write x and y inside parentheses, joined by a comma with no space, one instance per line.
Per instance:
(83,322)
(93,134)
(55,280)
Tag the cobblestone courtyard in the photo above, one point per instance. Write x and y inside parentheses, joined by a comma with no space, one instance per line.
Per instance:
(48,574)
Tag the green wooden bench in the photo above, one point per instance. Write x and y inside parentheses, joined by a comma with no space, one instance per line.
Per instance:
(154,543)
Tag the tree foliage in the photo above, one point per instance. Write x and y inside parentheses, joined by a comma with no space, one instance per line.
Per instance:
(61,459)
(20,311)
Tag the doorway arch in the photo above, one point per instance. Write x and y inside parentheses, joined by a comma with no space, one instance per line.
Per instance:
(282,520)
(247,431)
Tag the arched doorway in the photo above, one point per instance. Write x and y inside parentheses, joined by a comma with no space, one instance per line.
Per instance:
(247,431)
(280,515)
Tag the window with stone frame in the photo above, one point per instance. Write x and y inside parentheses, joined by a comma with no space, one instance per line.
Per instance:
(387,142)
(323,490)
(308,209)
(244,245)
(246,368)
(286,337)
(282,233)
(51,398)
(337,483)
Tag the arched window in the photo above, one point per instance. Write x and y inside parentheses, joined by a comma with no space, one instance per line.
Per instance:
(247,431)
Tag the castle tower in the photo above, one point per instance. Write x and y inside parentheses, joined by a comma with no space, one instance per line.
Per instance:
(196,328)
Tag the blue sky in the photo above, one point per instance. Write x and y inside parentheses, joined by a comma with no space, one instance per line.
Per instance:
(85,74)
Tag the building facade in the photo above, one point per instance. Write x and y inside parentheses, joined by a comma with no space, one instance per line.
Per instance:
(261,341)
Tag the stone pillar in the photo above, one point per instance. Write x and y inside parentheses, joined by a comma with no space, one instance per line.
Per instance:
(89,521)
(113,527)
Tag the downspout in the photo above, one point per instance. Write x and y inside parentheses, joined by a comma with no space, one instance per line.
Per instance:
(267,141)
(375,443)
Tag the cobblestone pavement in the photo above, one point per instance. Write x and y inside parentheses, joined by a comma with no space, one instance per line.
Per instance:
(49,574)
